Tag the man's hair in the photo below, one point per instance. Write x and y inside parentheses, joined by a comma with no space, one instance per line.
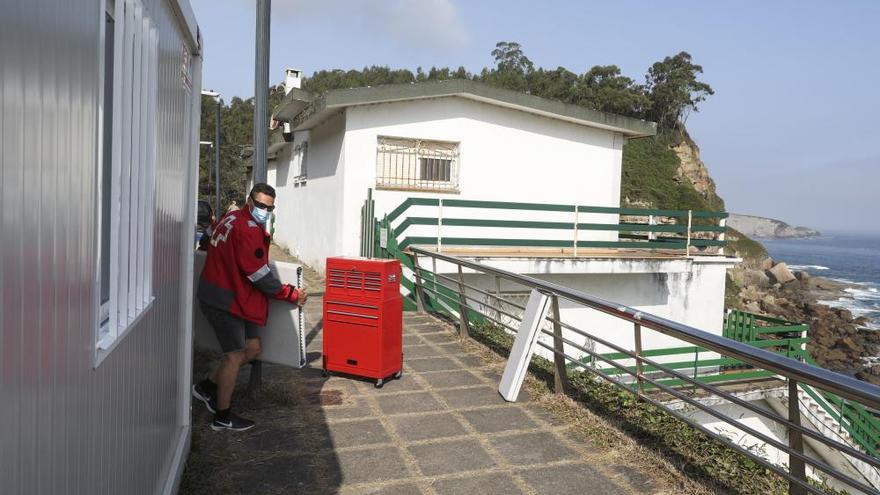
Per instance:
(264,188)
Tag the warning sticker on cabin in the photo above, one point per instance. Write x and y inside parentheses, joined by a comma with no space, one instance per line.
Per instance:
(185,68)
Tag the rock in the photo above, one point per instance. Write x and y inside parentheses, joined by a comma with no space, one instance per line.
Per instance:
(766,263)
(755,278)
(780,274)
(802,276)
(752,307)
(870,375)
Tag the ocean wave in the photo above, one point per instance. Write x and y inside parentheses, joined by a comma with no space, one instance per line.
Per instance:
(808,267)
(856,307)
(866,294)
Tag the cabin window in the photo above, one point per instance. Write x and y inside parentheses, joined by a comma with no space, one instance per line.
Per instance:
(417,164)
(299,162)
(126,170)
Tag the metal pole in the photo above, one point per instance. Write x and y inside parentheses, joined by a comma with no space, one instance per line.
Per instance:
(795,441)
(261,128)
(420,293)
(261,90)
(498,297)
(217,160)
(638,339)
(462,305)
(560,378)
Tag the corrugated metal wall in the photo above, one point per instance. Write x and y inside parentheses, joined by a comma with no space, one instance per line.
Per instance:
(66,426)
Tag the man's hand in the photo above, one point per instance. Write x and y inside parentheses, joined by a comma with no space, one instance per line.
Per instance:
(292,295)
(302,295)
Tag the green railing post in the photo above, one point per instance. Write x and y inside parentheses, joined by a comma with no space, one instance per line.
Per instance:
(690,226)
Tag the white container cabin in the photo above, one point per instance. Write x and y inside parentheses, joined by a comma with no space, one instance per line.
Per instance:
(99,124)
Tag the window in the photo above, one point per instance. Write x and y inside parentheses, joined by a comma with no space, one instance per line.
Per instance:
(299,162)
(416,164)
(126,169)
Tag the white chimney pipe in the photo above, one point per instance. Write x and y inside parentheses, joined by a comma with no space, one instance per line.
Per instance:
(292,79)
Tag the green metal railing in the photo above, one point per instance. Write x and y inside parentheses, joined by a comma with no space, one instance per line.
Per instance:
(664,229)
(862,424)
(772,334)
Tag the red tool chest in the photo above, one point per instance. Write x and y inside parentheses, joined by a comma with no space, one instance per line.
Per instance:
(363,318)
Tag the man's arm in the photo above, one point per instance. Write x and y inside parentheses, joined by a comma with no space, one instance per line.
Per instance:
(252,260)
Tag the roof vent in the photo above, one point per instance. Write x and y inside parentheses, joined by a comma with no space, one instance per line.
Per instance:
(292,79)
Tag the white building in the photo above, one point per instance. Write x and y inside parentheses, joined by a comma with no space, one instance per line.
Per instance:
(464,140)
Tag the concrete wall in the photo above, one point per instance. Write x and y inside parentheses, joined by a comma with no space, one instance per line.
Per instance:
(309,215)
(67,425)
(686,291)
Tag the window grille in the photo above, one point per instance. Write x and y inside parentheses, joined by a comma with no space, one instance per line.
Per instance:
(300,162)
(416,164)
(126,168)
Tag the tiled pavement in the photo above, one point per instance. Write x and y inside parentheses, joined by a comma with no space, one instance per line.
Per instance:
(440,429)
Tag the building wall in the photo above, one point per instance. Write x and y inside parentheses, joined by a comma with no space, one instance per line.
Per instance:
(309,216)
(65,425)
(686,291)
(694,297)
(505,155)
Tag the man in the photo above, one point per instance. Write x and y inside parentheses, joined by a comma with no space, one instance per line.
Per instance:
(233,294)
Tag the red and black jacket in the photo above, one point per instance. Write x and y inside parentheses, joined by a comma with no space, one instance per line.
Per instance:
(236,277)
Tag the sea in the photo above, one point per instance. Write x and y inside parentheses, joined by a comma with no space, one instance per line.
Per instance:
(850,258)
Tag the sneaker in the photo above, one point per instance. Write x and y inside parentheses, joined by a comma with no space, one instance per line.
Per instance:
(199,392)
(232,422)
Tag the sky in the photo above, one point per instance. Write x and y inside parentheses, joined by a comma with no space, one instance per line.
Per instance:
(791,132)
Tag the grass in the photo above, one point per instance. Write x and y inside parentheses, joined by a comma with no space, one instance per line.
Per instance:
(748,249)
(650,174)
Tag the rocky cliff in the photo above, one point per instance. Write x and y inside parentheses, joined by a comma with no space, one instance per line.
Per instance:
(768,228)
(693,170)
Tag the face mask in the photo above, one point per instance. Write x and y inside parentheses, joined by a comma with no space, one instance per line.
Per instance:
(260,215)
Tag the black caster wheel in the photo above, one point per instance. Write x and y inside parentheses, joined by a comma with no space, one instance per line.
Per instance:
(379,383)
(398,375)
(325,373)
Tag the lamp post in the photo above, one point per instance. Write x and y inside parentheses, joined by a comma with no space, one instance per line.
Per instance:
(216,95)
(261,90)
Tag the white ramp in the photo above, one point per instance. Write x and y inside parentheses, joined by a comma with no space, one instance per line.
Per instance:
(283,337)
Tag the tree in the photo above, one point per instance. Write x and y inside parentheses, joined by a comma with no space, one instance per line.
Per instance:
(559,84)
(509,57)
(511,67)
(605,89)
(674,90)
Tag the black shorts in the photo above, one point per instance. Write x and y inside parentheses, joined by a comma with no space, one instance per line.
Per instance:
(229,328)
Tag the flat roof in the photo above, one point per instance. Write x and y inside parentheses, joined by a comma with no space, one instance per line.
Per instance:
(303,110)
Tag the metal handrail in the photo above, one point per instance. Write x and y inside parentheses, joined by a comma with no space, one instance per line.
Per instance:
(795,371)
(842,385)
